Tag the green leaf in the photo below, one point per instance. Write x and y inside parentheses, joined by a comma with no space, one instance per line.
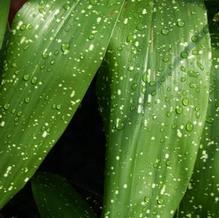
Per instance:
(4,9)
(153,92)
(54,51)
(202,196)
(56,198)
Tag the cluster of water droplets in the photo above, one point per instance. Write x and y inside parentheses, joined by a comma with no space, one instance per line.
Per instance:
(52,54)
(156,78)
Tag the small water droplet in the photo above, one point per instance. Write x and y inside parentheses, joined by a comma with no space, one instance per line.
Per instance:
(66,6)
(93,2)
(27,100)
(129,38)
(185,101)
(6,106)
(159,201)
(180,23)
(34,80)
(26,77)
(119,124)
(58,106)
(165,59)
(145,199)
(184,54)
(194,38)
(189,126)
(179,110)
(23,27)
(164,31)
(65,48)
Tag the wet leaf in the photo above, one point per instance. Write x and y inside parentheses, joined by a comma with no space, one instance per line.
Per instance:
(56,198)
(53,52)
(153,92)
(202,196)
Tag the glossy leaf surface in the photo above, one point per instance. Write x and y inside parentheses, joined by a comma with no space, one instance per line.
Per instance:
(153,97)
(202,196)
(53,53)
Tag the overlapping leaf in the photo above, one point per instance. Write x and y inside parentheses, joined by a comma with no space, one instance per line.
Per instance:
(202,196)
(153,96)
(4,9)
(53,52)
(56,198)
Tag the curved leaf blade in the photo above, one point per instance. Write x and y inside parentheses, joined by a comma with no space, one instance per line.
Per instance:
(56,198)
(153,97)
(4,9)
(54,50)
(202,196)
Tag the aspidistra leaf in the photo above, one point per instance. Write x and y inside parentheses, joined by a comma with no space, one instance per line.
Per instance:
(202,196)
(53,52)
(153,93)
(56,198)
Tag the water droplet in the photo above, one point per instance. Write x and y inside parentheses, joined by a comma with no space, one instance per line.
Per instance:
(184,54)
(27,100)
(58,106)
(23,27)
(129,38)
(145,78)
(134,86)
(180,23)
(131,68)
(193,73)
(65,48)
(91,37)
(66,6)
(26,77)
(145,199)
(119,124)
(34,80)
(45,55)
(179,110)
(194,38)
(41,9)
(6,106)
(93,2)
(159,201)
(165,59)
(185,101)
(189,126)
(200,65)
(210,119)
(164,31)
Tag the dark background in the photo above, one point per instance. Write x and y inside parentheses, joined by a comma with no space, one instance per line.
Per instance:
(78,156)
